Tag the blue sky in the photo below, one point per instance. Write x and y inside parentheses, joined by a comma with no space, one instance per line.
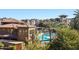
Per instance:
(35,13)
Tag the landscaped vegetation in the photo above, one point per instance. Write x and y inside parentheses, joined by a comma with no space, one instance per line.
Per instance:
(66,30)
(36,45)
(67,35)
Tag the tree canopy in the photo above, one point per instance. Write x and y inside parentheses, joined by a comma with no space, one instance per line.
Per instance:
(76,20)
(62,16)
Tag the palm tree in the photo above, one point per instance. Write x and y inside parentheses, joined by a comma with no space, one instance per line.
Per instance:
(76,19)
(50,34)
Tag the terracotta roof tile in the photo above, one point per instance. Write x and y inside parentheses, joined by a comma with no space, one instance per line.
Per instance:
(11,20)
(15,26)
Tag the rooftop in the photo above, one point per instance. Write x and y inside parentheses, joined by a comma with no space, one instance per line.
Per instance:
(10,20)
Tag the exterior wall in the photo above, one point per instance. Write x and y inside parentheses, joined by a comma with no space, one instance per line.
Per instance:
(32,32)
(13,46)
(22,34)
(25,34)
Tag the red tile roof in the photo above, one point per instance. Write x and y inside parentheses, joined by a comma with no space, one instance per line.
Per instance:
(15,26)
(11,20)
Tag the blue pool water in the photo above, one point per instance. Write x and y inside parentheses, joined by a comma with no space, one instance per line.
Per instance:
(46,37)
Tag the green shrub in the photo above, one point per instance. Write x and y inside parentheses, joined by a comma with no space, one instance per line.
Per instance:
(70,38)
(36,45)
(1,44)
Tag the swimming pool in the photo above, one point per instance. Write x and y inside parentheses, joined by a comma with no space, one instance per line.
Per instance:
(46,36)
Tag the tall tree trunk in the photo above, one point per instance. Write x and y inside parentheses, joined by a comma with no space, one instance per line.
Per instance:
(50,34)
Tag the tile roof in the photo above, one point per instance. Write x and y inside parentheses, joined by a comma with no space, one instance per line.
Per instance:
(15,26)
(11,20)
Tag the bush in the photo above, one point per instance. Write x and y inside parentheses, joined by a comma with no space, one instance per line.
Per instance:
(70,38)
(1,44)
(36,45)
